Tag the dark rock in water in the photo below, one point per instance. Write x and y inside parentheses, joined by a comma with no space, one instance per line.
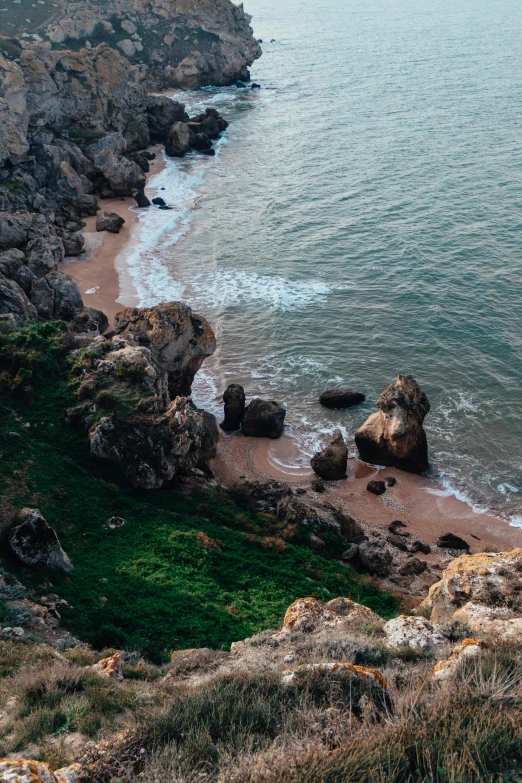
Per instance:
(272,40)
(209,437)
(451,541)
(36,544)
(376,560)
(341,398)
(234,399)
(260,40)
(376,487)
(165,206)
(413,567)
(330,463)
(158,201)
(240,84)
(264,419)
(141,199)
(211,152)
(255,86)
(394,435)
(109,221)
(202,142)
(391,481)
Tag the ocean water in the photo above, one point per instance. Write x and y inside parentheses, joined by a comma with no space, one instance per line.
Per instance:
(363,217)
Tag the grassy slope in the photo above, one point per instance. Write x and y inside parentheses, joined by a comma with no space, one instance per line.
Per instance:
(153,584)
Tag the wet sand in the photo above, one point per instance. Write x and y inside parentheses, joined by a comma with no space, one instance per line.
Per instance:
(421,503)
(101,271)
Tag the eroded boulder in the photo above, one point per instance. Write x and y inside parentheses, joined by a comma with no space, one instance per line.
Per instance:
(341,397)
(180,139)
(394,435)
(109,221)
(331,463)
(36,544)
(179,340)
(264,419)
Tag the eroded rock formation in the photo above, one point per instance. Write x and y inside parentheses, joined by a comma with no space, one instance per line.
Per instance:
(331,463)
(395,435)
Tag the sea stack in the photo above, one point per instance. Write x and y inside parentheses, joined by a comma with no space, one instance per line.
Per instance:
(394,436)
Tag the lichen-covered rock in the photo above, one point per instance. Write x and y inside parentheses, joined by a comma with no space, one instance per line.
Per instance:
(351,611)
(26,771)
(179,340)
(264,419)
(486,579)
(415,632)
(394,435)
(36,544)
(361,672)
(110,667)
(331,463)
(467,648)
(305,613)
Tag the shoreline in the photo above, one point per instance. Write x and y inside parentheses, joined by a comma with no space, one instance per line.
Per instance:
(101,272)
(422,503)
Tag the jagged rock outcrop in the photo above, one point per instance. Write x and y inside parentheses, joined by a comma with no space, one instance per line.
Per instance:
(180,43)
(331,463)
(263,419)
(36,544)
(179,340)
(234,399)
(14,117)
(481,592)
(394,435)
(27,771)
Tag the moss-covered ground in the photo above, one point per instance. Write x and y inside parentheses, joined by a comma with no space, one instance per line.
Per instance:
(187,569)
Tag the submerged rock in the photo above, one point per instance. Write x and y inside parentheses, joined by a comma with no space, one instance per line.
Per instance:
(331,463)
(234,399)
(264,419)
(394,435)
(342,397)
(36,544)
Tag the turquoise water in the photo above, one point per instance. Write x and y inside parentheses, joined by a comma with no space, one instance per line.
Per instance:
(363,217)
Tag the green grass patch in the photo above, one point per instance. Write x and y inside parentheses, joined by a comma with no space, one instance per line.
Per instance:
(184,570)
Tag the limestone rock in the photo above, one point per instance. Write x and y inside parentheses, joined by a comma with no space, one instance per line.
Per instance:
(487,579)
(26,771)
(394,435)
(151,450)
(110,667)
(179,140)
(234,399)
(179,340)
(36,544)
(331,463)
(264,419)
(15,307)
(350,669)
(467,648)
(342,397)
(415,632)
(305,613)
(109,221)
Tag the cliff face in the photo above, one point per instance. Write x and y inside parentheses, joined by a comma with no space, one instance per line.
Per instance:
(178,43)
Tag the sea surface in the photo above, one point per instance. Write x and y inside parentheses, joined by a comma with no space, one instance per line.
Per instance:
(363,217)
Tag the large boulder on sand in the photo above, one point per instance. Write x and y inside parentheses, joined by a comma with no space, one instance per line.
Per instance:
(179,140)
(264,419)
(234,399)
(342,397)
(394,435)
(36,544)
(179,339)
(330,463)
(109,221)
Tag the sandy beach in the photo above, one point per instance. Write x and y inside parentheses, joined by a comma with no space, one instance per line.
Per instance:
(101,272)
